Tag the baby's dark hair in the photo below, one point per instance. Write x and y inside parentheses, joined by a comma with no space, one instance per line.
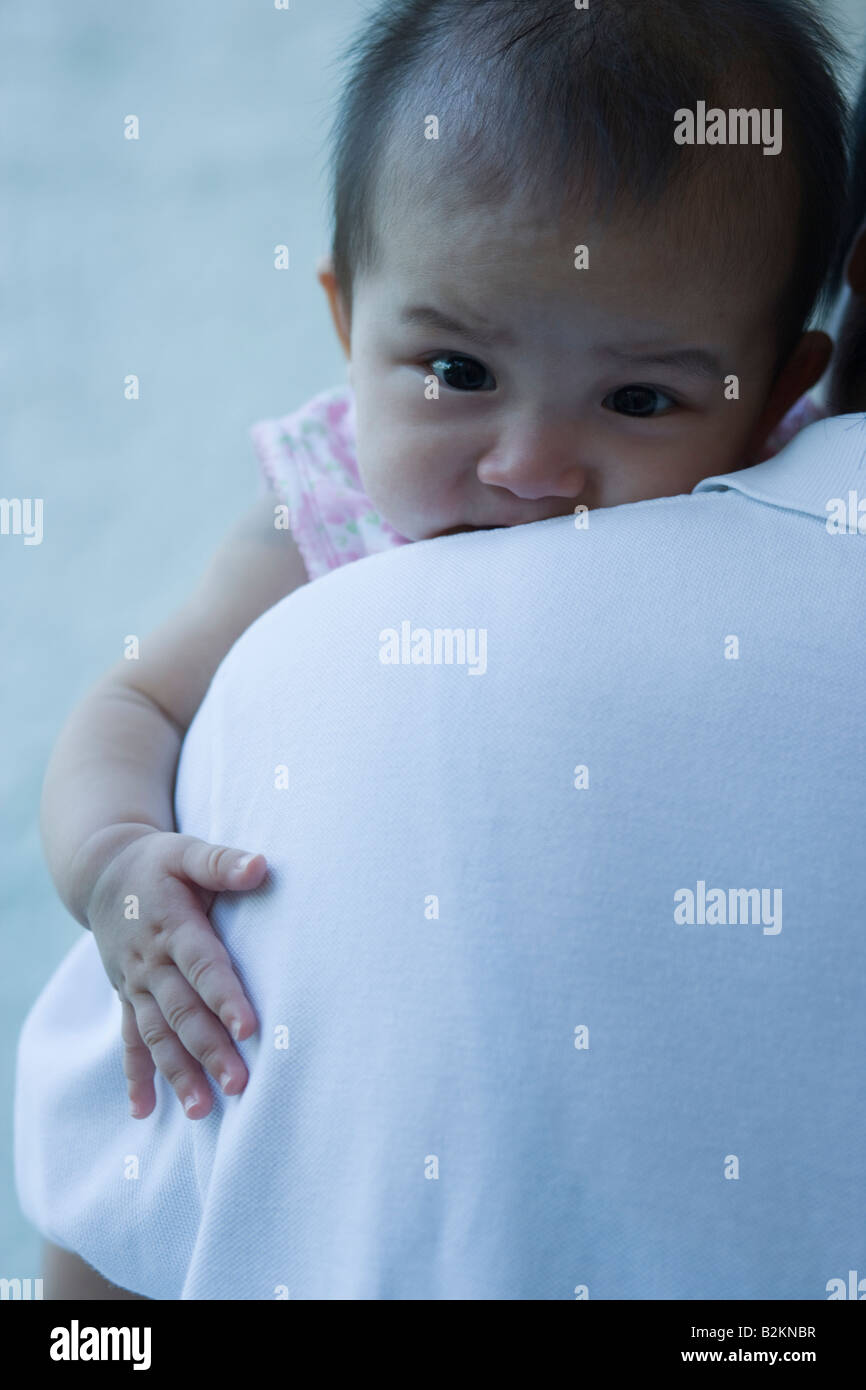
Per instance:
(541,97)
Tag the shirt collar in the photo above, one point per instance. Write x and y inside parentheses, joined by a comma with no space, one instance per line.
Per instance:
(824,461)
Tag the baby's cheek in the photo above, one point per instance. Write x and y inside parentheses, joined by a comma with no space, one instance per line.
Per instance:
(720,450)
(417,471)
(735,433)
(714,444)
(388,477)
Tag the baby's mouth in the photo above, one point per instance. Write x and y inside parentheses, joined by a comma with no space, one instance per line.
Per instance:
(457,530)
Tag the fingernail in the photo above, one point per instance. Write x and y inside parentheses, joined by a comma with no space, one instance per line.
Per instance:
(190,1103)
(225,1081)
(242,863)
(135,1110)
(235,1025)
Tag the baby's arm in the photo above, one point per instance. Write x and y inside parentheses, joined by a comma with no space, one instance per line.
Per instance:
(107,825)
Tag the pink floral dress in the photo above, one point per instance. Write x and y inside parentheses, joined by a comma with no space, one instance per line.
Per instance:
(308,459)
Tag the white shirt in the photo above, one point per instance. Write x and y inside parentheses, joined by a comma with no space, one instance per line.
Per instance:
(529,1054)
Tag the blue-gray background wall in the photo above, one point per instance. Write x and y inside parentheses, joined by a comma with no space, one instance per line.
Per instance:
(153,257)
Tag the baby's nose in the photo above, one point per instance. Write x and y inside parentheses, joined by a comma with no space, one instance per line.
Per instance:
(535,465)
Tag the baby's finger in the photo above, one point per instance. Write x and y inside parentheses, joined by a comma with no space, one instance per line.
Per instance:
(199,1030)
(203,960)
(217,867)
(180,1070)
(137,1065)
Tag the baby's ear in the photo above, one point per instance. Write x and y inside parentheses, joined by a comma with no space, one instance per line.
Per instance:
(803,370)
(339,313)
(855,269)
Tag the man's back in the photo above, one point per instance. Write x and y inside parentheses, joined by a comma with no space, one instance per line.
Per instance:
(526,1033)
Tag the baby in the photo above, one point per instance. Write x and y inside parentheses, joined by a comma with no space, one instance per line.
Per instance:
(548,305)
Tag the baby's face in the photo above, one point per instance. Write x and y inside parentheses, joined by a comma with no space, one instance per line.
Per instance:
(557,386)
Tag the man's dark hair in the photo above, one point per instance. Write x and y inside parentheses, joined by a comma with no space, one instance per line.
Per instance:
(855,209)
(554,101)
(847,388)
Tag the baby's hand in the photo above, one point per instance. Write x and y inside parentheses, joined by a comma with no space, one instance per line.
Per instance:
(172,973)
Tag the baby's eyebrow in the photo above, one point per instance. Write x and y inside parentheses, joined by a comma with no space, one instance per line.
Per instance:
(425,316)
(698,361)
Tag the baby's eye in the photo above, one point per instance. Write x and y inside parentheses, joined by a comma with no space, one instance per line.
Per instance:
(462,373)
(638,400)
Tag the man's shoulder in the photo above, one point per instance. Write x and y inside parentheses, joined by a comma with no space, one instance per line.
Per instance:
(825,461)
